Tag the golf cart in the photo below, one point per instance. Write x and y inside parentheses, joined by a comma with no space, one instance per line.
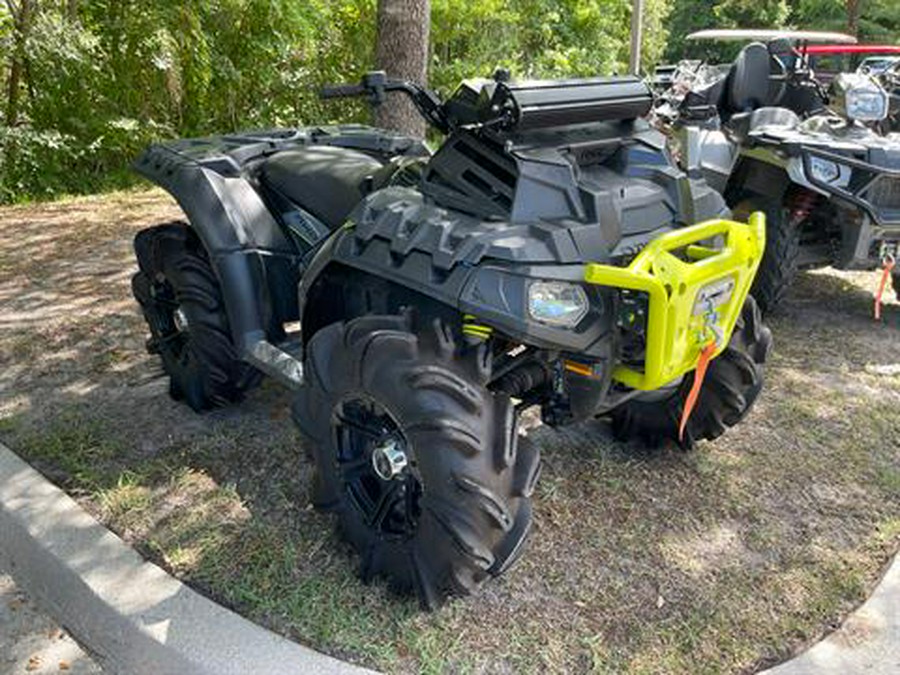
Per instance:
(546,254)
(770,137)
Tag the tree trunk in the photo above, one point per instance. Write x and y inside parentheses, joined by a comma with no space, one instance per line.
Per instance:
(854,8)
(22,25)
(402,52)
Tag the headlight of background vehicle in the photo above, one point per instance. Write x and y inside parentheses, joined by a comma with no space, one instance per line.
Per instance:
(557,303)
(864,99)
(866,105)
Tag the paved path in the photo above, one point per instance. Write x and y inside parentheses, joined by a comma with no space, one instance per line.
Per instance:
(31,643)
(868,641)
(133,616)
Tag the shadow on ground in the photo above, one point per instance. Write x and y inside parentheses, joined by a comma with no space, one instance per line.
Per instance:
(723,560)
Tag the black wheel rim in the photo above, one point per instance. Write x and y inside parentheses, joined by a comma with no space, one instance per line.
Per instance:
(363,429)
(171,339)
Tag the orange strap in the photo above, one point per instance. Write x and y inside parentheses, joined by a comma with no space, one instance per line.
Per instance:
(691,400)
(885,274)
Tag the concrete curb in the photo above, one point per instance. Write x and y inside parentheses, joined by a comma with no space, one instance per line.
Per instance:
(130,614)
(867,642)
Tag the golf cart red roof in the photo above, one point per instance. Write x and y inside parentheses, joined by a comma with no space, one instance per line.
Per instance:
(852,49)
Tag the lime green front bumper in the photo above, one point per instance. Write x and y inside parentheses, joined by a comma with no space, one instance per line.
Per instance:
(682,316)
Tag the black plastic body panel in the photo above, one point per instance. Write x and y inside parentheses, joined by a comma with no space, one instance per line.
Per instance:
(242,238)
(464,231)
(246,230)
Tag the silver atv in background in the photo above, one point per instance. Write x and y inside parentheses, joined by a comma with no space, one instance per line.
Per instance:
(770,137)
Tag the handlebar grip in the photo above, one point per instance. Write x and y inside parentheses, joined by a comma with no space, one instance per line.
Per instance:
(342,91)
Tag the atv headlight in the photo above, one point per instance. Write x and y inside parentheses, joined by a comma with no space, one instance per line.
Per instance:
(557,303)
(866,105)
(823,170)
(864,99)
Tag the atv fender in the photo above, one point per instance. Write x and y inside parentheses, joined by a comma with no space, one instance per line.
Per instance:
(768,175)
(251,256)
(754,173)
(398,239)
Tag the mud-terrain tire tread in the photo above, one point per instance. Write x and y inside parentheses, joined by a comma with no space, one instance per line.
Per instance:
(207,373)
(733,382)
(779,265)
(475,508)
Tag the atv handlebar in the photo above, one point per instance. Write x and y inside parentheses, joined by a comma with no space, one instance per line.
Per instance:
(342,91)
(375,84)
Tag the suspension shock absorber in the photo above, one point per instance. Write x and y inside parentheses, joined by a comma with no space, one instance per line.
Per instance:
(801,203)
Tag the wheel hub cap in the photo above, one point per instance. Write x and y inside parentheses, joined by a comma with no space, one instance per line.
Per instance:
(180,318)
(388,460)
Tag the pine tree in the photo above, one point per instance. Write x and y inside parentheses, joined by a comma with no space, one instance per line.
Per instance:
(402,51)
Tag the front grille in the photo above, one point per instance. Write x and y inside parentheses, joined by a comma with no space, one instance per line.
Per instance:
(884,194)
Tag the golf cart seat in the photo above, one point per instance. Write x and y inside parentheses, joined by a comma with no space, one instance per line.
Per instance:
(325,180)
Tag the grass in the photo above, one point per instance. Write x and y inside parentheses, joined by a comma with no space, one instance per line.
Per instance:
(725,560)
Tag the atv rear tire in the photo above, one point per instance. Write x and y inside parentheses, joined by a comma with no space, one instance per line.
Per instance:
(732,384)
(418,459)
(779,265)
(182,303)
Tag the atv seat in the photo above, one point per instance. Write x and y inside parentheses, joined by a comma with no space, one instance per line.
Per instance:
(325,180)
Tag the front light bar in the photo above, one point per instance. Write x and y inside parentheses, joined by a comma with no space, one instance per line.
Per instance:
(677,286)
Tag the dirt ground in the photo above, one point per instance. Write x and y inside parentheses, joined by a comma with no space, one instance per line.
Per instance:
(724,560)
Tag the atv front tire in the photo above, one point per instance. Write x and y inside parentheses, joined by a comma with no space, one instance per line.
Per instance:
(418,459)
(182,303)
(732,384)
(780,261)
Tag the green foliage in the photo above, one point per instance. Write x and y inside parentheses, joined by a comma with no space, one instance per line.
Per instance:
(879,22)
(533,38)
(100,83)
(758,14)
(43,164)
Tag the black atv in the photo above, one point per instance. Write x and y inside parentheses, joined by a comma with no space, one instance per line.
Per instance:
(770,137)
(417,302)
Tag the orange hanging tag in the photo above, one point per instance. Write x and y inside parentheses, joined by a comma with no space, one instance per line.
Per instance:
(705,357)
(886,268)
